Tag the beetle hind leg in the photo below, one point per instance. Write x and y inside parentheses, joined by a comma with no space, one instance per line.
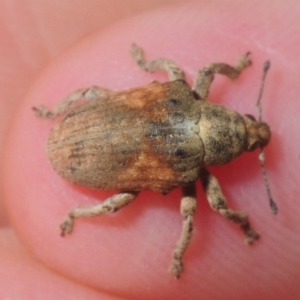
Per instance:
(218,203)
(187,209)
(110,205)
(163,64)
(62,107)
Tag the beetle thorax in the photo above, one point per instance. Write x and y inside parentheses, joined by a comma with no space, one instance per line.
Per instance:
(223,133)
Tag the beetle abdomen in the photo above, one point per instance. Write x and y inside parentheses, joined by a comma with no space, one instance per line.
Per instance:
(139,139)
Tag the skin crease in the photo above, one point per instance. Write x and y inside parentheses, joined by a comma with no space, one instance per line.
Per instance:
(126,255)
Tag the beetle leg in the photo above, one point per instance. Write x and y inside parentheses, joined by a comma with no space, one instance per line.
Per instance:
(62,107)
(163,64)
(187,209)
(218,203)
(206,75)
(110,205)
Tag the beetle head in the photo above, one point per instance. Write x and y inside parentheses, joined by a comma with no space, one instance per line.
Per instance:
(259,133)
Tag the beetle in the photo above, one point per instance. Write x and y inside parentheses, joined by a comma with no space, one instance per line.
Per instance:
(156,137)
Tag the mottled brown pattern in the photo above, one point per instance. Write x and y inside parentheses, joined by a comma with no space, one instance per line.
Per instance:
(157,137)
(145,138)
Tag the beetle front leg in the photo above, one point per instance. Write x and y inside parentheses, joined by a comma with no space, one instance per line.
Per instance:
(218,203)
(163,64)
(110,205)
(206,75)
(187,209)
(62,107)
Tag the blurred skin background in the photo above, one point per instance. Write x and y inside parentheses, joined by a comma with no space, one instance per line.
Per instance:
(34,34)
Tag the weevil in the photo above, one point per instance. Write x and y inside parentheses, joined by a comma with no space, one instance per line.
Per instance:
(156,137)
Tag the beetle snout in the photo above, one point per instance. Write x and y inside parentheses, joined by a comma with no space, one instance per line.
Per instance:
(264,134)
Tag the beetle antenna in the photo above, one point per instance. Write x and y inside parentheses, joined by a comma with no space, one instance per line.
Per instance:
(267,65)
(261,159)
(262,155)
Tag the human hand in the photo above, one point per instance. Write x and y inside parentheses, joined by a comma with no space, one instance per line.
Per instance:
(127,254)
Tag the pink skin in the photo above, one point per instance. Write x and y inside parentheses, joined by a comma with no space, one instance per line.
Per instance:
(127,254)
